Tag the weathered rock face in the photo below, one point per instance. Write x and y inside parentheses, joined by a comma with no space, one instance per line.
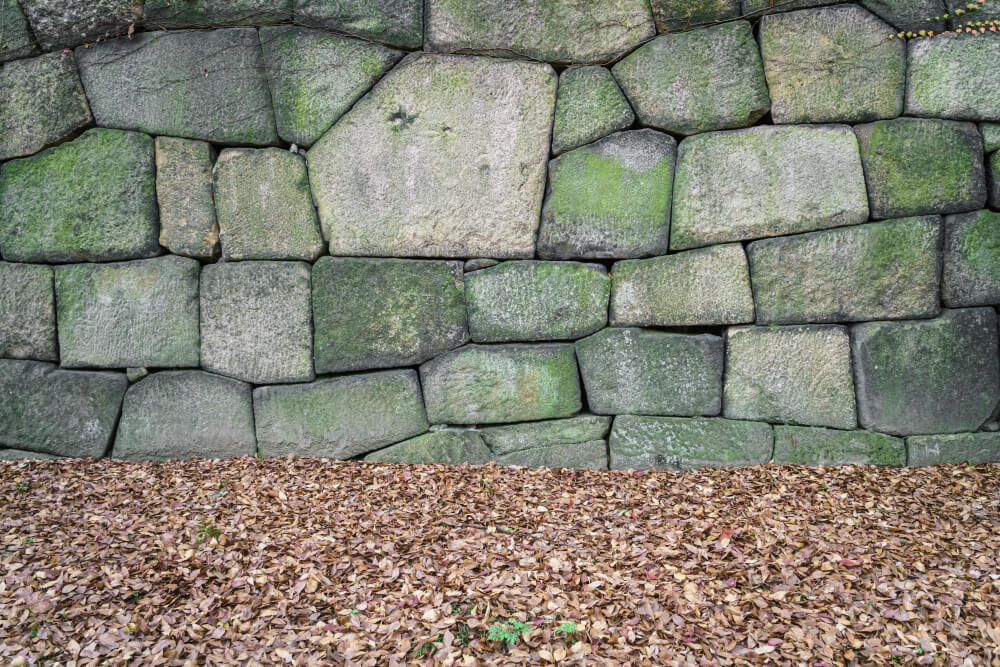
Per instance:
(395,22)
(23,455)
(451,447)
(930,450)
(910,15)
(17,40)
(591,454)
(450,169)
(930,376)
(991,136)
(801,445)
(971,259)
(761,7)
(954,76)
(27,312)
(180,414)
(379,313)
(677,15)
(985,12)
(184,192)
(557,433)
(669,442)
(66,23)
(199,13)
(589,105)
(994,179)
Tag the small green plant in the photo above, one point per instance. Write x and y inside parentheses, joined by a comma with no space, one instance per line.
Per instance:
(507,631)
(427,648)
(463,633)
(21,487)
(207,531)
(568,631)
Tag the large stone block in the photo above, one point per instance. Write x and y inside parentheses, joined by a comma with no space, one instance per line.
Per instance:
(339,417)
(557,433)
(991,136)
(380,313)
(954,76)
(449,168)
(697,81)
(16,41)
(525,301)
(395,22)
(589,105)
(451,447)
(130,314)
(491,384)
(670,442)
(678,15)
(27,312)
(643,372)
(92,199)
(590,454)
(256,322)
(805,445)
(794,374)
(23,455)
(927,376)
(180,414)
(971,259)
(202,13)
(910,15)
(994,180)
(66,23)
(880,271)
(766,181)
(200,85)
(66,413)
(610,199)
(184,192)
(930,450)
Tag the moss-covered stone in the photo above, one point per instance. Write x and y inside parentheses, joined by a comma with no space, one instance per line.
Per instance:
(16,40)
(451,447)
(514,438)
(954,76)
(993,175)
(930,450)
(802,445)
(184,192)
(394,22)
(678,15)
(203,13)
(754,8)
(590,454)
(971,259)
(589,105)
(669,442)
(23,455)
(92,199)
(990,11)
(27,312)
(991,136)
(910,15)
(66,23)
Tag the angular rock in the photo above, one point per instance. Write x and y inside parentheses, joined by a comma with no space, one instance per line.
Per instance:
(381,313)
(256,323)
(184,192)
(478,264)
(805,445)
(129,314)
(590,454)
(930,450)
(794,374)
(22,455)
(533,301)
(756,8)
(451,447)
(16,41)
(971,259)
(954,76)
(27,312)
(917,166)
(927,376)
(264,207)
(491,384)
(449,169)
(994,180)
(669,442)
(394,22)
(201,13)
(766,181)
(910,15)
(200,85)
(315,77)
(92,199)
(66,413)
(643,372)
(984,12)
(514,438)
(698,81)
(610,199)
(589,105)
(66,23)
(339,417)
(180,414)
(991,136)
(706,286)
(879,271)
(678,15)
(136,374)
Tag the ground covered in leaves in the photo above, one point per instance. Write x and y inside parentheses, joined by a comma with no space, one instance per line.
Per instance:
(305,561)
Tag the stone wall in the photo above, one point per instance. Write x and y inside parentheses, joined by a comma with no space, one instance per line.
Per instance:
(543,233)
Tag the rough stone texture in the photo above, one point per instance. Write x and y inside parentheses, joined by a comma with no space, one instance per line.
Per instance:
(200,13)
(990,11)
(22,455)
(394,22)
(643,372)
(832,64)
(316,77)
(795,374)
(991,136)
(479,384)
(264,207)
(909,15)
(256,323)
(880,271)
(129,314)
(451,447)
(668,442)
(759,7)
(380,313)
(589,105)
(136,374)
(200,85)
(766,181)
(184,192)
(697,81)
(180,414)
(917,166)
(554,31)
(994,180)
(804,445)
(514,438)
(16,40)
(27,312)
(449,168)
(971,260)
(929,450)
(676,15)
(92,199)
(67,413)
(927,376)
(339,417)
(610,199)
(479,264)
(65,23)
(707,286)
(524,301)
(954,76)
(591,454)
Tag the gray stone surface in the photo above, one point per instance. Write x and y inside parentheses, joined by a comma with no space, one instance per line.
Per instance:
(805,445)
(16,40)
(23,455)
(766,181)
(203,13)
(449,168)
(927,376)
(756,8)
(52,411)
(128,314)
(644,372)
(678,15)
(954,76)
(793,374)
(27,312)
(491,384)
(589,105)
(971,259)
(66,23)
(610,199)
(184,193)
(478,264)
(991,136)
(529,300)
(339,417)
(879,271)
(256,322)
(929,450)
(380,313)
(706,286)
(451,447)
(989,11)
(910,15)
(698,81)
(994,180)
(180,414)
(669,442)
(200,85)
(91,199)
(395,22)
(513,438)
(136,374)
(590,454)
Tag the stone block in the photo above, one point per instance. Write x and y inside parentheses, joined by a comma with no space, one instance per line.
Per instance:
(395,22)
(805,445)
(680,15)
(451,447)
(17,41)
(184,192)
(66,23)
(932,450)
(971,259)
(556,433)
(954,76)
(589,105)
(590,454)
(910,15)
(642,443)
(27,312)
(202,13)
